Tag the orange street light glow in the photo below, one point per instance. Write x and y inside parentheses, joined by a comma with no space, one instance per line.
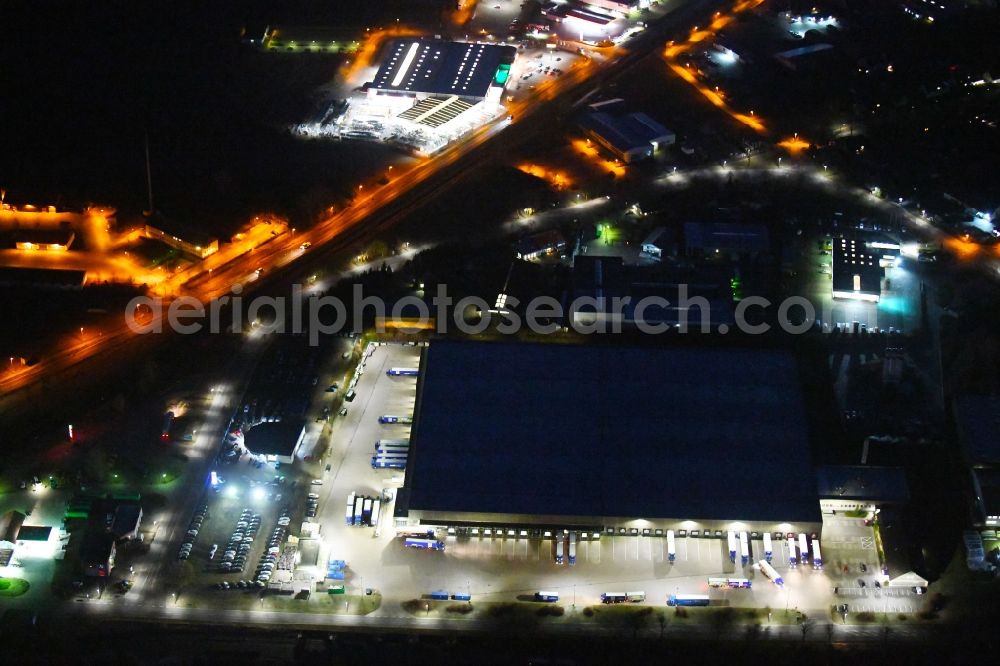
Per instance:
(794,144)
(697,35)
(961,248)
(557,179)
(715,98)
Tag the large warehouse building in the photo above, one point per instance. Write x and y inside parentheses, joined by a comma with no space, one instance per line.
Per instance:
(609,439)
(423,68)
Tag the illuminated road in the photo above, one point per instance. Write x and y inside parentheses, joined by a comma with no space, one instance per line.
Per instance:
(818,628)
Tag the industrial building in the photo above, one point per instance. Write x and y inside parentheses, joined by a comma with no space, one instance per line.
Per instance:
(857,273)
(540,244)
(606,291)
(424,68)
(860,487)
(42,278)
(46,240)
(729,238)
(275,441)
(609,440)
(629,136)
(978,420)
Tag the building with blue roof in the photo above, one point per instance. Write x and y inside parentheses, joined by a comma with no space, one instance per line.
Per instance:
(726,237)
(609,438)
(629,136)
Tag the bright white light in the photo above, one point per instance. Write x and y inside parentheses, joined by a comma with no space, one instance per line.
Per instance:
(230,491)
(405,66)
(855,296)
(259,494)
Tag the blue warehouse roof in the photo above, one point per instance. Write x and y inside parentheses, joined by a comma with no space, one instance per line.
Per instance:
(726,236)
(553,429)
(625,132)
(441,68)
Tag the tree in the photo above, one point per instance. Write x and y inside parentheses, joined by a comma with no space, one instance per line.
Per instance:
(806,625)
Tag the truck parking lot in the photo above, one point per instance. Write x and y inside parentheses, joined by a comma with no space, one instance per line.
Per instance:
(496,564)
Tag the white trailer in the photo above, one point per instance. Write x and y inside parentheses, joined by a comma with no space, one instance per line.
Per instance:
(768,570)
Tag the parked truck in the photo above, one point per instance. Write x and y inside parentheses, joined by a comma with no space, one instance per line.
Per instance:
(769,571)
(349,515)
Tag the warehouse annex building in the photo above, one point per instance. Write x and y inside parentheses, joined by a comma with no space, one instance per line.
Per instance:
(609,439)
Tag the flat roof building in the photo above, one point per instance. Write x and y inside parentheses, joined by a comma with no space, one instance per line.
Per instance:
(50,240)
(97,552)
(726,237)
(609,438)
(127,520)
(856,271)
(630,136)
(860,487)
(978,420)
(276,441)
(605,291)
(423,67)
(44,278)
(10,525)
(536,245)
